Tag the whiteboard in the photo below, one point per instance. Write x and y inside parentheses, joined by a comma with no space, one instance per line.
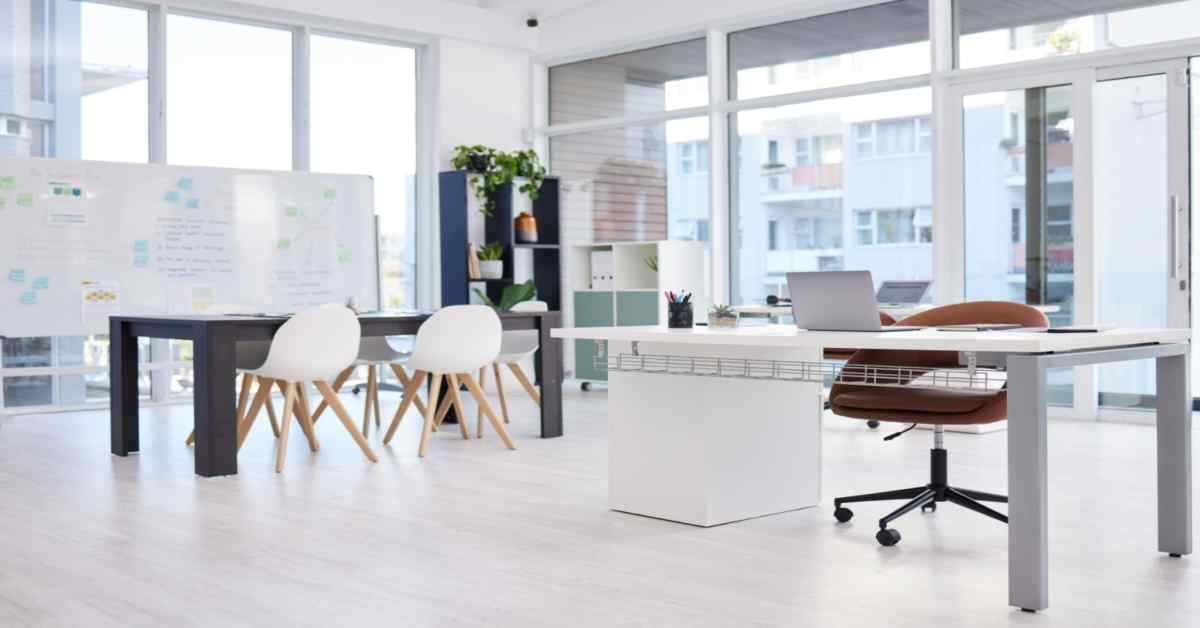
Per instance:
(82,240)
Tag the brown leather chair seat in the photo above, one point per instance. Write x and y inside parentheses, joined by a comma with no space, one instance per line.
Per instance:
(931,407)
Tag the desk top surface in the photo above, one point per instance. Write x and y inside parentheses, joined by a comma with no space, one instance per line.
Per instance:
(263,318)
(789,337)
(896,310)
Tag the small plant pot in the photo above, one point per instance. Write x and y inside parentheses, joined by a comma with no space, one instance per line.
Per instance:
(722,322)
(679,315)
(493,269)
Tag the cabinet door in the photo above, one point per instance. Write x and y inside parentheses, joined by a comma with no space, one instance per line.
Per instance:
(592,309)
(637,308)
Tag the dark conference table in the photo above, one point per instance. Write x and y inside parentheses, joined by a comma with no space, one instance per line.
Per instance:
(213,339)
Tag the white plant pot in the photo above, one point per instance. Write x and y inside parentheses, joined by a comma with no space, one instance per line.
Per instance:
(491,270)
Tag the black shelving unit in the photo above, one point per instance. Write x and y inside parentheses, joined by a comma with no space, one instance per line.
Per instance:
(547,254)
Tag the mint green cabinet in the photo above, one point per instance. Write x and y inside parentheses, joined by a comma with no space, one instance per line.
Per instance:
(637,308)
(592,309)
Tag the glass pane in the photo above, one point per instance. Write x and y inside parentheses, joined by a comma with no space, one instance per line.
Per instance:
(230,93)
(864,207)
(1006,31)
(658,79)
(1130,164)
(1019,196)
(114,59)
(630,184)
(872,43)
(363,125)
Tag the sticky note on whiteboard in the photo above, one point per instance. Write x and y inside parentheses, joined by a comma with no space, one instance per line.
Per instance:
(8,183)
(17,275)
(29,297)
(141,246)
(172,196)
(193,203)
(185,183)
(25,199)
(41,283)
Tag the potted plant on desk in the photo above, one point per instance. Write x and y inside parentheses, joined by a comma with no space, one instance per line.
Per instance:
(722,317)
(491,261)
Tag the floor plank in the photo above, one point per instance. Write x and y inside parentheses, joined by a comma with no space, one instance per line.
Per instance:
(476,535)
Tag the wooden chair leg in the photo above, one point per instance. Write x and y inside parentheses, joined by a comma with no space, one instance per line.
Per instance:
(410,394)
(479,412)
(289,400)
(500,391)
(427,429)
(299,404)
(305,418)
(367,405)
(458,406)
(338,382)
(260,397)
(344,416)
(443,409)
(487,409)
(525,383)
(404,378)
(266,383)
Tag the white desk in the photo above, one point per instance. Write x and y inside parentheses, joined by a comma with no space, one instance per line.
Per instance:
(896,311)
(680,442)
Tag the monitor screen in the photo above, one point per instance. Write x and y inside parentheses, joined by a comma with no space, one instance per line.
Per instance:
(902,291)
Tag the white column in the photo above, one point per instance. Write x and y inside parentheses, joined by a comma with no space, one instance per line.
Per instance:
(301,95)
(718,142)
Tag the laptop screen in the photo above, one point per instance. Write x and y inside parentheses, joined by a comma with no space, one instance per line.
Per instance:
(902,291)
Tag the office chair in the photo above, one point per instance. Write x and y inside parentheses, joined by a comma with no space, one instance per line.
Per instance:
(515,346)
(845,355)
(929,407)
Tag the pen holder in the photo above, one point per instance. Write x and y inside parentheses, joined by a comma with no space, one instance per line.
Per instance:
(679,315)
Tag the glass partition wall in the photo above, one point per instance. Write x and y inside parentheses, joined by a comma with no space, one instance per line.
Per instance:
(1045,168)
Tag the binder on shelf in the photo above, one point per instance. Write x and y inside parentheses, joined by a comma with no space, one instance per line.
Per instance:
(602,270)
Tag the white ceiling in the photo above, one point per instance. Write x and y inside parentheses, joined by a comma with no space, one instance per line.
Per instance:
(526,8)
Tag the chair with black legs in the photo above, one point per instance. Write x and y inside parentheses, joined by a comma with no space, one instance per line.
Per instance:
(939,408)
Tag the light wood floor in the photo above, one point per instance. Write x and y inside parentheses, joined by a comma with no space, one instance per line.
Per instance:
(475,535)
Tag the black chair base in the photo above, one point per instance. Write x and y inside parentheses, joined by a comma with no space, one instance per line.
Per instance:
(924,497)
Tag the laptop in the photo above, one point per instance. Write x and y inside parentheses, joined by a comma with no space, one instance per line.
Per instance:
(902,292)
(836,301)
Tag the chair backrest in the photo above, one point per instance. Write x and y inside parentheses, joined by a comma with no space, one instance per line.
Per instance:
(313,344)
(457,339)
(522,341)
(974,312)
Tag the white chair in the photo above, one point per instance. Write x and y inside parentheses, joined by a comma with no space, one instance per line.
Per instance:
(455,342)
(516,345)
(311,346)
(373,352)
(248,355)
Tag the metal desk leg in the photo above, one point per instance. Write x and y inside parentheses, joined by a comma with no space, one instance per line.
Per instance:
(1174,455)
(123,375)
(549,357)
(1027,539)
(214,402)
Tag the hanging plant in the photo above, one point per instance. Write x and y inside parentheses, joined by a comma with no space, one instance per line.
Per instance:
(494,169)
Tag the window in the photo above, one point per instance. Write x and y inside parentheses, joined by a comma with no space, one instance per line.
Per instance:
(231,103)
(624,184)
(1046,29)
(772,152)
(114,59)
(835,211)
(890,138)
(803,151)
(363,125)
(647,81)
(882,41)
(687,162)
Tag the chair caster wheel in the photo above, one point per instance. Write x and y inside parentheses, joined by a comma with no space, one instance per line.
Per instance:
(887,537)
(930,507)
(873,424)
(585,386)
(843,514)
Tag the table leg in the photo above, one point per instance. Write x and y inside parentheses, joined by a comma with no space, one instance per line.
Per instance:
(1174,455)
(123,375)
(1028,568)
(214,401)
(549,360)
